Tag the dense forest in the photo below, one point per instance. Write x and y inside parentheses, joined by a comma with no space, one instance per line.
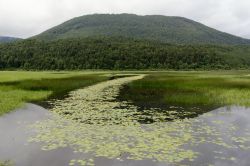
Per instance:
(119,53)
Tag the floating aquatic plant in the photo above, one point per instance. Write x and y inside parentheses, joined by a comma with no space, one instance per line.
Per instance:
(91,121)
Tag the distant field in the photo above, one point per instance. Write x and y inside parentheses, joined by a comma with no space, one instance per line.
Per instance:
(17,87)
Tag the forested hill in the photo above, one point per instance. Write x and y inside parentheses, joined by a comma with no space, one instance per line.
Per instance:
(160,28)
(119,53)
(5,39)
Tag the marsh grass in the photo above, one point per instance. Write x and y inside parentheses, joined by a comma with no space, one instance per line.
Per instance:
(12,76)
(19,87)
(206,90)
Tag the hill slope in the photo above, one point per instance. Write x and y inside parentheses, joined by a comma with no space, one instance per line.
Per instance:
(5,39)
(161,28)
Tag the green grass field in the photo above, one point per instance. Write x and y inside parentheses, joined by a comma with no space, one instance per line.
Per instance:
(17,88)
(187,89)
(206,90)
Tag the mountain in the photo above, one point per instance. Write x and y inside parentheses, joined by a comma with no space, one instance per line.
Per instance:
(127,42)
(5,39)
(166,29)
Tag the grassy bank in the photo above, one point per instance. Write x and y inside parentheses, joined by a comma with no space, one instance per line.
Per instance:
(17,88)
(205,90)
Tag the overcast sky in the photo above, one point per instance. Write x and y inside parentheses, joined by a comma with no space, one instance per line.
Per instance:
(25,18)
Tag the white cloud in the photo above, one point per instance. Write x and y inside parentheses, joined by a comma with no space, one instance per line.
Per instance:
(24,18)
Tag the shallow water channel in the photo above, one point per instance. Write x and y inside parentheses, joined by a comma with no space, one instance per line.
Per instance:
(34,136)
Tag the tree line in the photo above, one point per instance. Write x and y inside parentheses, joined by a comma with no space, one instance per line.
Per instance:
(117,53)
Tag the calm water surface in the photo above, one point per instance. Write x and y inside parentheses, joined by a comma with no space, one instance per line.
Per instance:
(14,135)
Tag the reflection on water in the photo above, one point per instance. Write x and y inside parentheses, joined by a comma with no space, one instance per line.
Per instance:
(229,141)
(168,113)
(226,141)
(14,135)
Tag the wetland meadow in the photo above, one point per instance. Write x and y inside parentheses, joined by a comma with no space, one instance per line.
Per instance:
(132,118)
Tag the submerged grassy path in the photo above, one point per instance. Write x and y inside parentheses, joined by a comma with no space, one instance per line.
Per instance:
(91,121)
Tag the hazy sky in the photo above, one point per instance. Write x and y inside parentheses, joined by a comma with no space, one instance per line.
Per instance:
(24,18)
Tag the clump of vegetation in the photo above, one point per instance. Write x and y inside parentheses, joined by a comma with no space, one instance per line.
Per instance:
(17,88)
(205,90)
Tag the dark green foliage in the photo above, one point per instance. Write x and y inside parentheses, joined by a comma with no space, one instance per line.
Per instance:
(160,28)
(119,53)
